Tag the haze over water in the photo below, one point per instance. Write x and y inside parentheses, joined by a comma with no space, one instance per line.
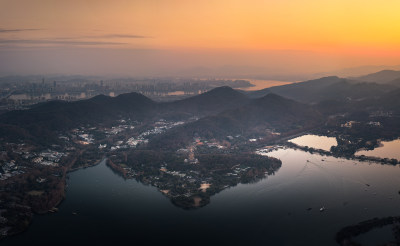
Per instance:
(262,84)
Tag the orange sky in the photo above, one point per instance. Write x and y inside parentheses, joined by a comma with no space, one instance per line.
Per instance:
(338,30)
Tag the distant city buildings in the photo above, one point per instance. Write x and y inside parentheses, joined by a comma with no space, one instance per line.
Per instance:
(20,93)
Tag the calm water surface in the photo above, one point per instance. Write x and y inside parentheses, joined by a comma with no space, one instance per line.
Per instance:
(262,84)
(315,141)
(390,149)
(274,211)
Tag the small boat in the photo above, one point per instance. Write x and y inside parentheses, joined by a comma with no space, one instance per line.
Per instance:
(322,209)
(74,213)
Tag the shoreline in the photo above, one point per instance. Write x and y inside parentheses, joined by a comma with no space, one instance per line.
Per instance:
(197,193)
(353,157)
(62,191)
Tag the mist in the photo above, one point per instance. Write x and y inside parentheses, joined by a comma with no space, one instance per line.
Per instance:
(268,64)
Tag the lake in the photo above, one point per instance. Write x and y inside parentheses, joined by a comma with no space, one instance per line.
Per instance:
(280,210)
(315,141)
(388,149)
(262,84)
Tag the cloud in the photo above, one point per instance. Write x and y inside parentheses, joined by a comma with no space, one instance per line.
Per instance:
(121,36)
(89,40)
(106,36)
(56,42)
(2,30)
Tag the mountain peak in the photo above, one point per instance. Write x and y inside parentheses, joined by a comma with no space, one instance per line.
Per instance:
(221,90)
(99,98)
(272,98)
(221,93)
(215,100)
(132,98)
(381,77)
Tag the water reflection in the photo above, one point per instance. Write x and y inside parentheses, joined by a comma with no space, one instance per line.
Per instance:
(262,84)
(280,210)
(383,234)
(314,141)
(390,149)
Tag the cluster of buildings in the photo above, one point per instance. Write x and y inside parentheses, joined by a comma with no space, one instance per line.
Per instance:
(48,158)
(86,139)
(115,130)
(268,149)
(381,113)
(20,92)
(191,159)
(133,142)
(26,159)
(174,173)
(237,171)
(350,124)
(9,169)
(160,127)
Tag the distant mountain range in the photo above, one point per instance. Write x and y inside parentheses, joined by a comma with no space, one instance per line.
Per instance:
(59,115)
(42,121)
(356,71)
(222,111)
(381,77)
(327,88)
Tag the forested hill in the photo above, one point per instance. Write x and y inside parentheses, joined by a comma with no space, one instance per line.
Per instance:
(269,113)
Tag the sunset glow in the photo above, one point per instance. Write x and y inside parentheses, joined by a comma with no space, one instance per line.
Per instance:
(346,32)
(222,122)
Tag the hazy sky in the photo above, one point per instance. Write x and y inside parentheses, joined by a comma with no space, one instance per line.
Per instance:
(208,37)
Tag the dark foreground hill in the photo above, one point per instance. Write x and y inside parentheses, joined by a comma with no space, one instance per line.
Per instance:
(388,102)
(61,115)
(43,120)
(395,82)
(58,115)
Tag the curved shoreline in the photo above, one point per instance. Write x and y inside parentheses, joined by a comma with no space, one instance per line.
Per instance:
(61,191)
(360,158)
